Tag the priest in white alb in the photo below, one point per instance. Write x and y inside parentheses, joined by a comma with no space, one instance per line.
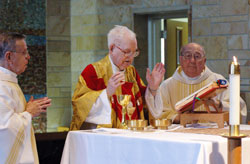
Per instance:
(17,141)
(190,76)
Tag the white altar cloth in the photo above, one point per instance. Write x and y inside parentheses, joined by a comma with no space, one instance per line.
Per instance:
(116,146)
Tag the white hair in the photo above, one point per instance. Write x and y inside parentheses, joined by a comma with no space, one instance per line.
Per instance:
(118,33)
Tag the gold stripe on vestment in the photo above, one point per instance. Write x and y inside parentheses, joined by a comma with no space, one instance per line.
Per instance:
(12,157)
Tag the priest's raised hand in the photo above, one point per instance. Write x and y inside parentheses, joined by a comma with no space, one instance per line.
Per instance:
(155,77)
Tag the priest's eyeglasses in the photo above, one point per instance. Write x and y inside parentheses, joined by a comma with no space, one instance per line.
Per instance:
(24,53)
(189,56)
(129,54)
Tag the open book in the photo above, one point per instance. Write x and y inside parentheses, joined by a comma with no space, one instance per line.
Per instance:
(195,99)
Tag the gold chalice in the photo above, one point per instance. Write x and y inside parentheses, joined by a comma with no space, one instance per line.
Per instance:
(124,100)
(130,109)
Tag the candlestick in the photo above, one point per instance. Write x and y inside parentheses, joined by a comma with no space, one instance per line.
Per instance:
(234,137)
(234,88)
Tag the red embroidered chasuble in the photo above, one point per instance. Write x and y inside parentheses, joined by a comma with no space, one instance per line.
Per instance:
(93,80)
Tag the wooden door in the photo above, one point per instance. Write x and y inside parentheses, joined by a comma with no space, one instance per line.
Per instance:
(177,35)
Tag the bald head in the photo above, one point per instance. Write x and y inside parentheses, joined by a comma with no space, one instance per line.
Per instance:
(192,59)
(192,46)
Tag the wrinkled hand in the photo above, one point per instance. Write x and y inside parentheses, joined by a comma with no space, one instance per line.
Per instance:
(211,102)
(156,76)
(115,81)
(38,106)
(177,119)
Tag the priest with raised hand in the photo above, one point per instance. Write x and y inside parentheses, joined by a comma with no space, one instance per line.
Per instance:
(17,140)
(95,102)
(190,76)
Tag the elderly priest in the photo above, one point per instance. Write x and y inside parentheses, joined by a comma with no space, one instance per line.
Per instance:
(17,142)
(190,76)
(95,102)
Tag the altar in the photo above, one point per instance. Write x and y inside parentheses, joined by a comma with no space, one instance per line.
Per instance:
(177,145)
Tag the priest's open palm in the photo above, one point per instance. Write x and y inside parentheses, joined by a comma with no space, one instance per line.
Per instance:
(155,78)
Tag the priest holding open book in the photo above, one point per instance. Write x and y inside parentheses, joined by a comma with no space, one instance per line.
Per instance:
(189,77)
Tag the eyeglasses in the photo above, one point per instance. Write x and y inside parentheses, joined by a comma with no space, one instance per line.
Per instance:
(25,53)
(189,56)
(129,54)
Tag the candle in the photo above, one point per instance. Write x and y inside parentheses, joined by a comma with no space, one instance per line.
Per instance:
(234,88)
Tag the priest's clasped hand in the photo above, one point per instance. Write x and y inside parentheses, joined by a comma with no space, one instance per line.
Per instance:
(38,106)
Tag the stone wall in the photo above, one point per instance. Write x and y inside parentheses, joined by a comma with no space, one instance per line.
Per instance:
(76,36)
(77,29)
(29,18)
(221,26)
(58,63)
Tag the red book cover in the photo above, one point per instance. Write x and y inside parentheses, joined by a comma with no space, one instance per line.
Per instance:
(193,101)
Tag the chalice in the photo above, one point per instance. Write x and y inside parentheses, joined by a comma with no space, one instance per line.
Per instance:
(124,100)
(130,109)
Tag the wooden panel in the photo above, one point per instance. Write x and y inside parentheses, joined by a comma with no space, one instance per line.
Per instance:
(172,28)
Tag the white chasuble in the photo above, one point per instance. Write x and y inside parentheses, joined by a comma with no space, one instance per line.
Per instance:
(180,86)
(17,141)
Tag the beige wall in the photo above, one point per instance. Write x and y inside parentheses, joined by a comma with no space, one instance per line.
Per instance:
(76,34)
(223,28)
(58,63)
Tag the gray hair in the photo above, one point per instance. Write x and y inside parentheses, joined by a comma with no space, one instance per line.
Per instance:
(118,33)
(8,42)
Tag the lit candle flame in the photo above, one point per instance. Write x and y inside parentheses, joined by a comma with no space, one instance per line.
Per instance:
(235,59)
(234,92)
